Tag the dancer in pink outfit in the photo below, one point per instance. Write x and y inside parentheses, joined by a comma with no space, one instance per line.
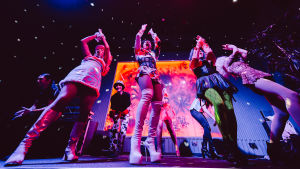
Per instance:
(285,102)
(166,116)
(83,81)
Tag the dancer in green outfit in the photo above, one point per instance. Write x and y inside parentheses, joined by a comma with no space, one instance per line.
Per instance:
(213,88)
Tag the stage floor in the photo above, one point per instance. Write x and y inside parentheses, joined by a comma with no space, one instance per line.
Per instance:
(122,161)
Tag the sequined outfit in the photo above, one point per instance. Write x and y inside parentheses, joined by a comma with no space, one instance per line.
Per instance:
(247,73)
(147,65)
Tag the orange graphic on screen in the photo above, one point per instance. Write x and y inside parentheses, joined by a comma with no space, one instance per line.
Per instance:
(180,83)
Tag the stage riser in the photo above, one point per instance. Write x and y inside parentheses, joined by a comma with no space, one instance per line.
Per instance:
(196,144)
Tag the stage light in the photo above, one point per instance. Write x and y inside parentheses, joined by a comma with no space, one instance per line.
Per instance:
(92,4)
(68,4)
(234,1)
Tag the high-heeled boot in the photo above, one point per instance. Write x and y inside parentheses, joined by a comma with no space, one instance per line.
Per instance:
(204,150)
(150,141)
(150,145)
(70,151)
(135,156)
(173,135)
(45,119)
(177,150)
(212,151)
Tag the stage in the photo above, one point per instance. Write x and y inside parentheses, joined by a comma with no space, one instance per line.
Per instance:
(167,161)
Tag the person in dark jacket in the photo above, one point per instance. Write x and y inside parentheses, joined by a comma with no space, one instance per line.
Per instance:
(119,112)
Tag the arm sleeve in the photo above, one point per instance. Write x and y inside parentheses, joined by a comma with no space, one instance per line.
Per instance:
(112,103)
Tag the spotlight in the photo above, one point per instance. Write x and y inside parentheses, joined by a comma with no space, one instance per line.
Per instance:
(234,1)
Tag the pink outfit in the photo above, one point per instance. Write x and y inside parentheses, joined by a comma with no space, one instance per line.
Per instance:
(87,73)
(248,74)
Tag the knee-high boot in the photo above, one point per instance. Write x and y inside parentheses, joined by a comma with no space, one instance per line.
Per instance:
(70,151)
(45,119)
(204,150)
(135,156)
(173,135)
(150,141)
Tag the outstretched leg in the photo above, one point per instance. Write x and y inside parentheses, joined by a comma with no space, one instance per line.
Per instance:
(220,110)
(87,99)
(49,115)
(278,94)
(171,130)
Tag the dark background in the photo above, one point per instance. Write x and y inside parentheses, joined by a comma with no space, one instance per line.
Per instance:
(41,36)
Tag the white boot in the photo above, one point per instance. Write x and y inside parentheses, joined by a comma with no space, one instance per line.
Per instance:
(135,147)
(70,151)
(46,118)
(135,156)
(150,141)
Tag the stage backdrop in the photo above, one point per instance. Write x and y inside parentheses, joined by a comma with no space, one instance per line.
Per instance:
(179,81)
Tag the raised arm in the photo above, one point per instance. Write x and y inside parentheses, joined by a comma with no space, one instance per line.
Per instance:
(137,45)
(107,54)
(156,42)
(228,60)
(195,55)
(243,52)
(207,50)
(235,50)
(84,43)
